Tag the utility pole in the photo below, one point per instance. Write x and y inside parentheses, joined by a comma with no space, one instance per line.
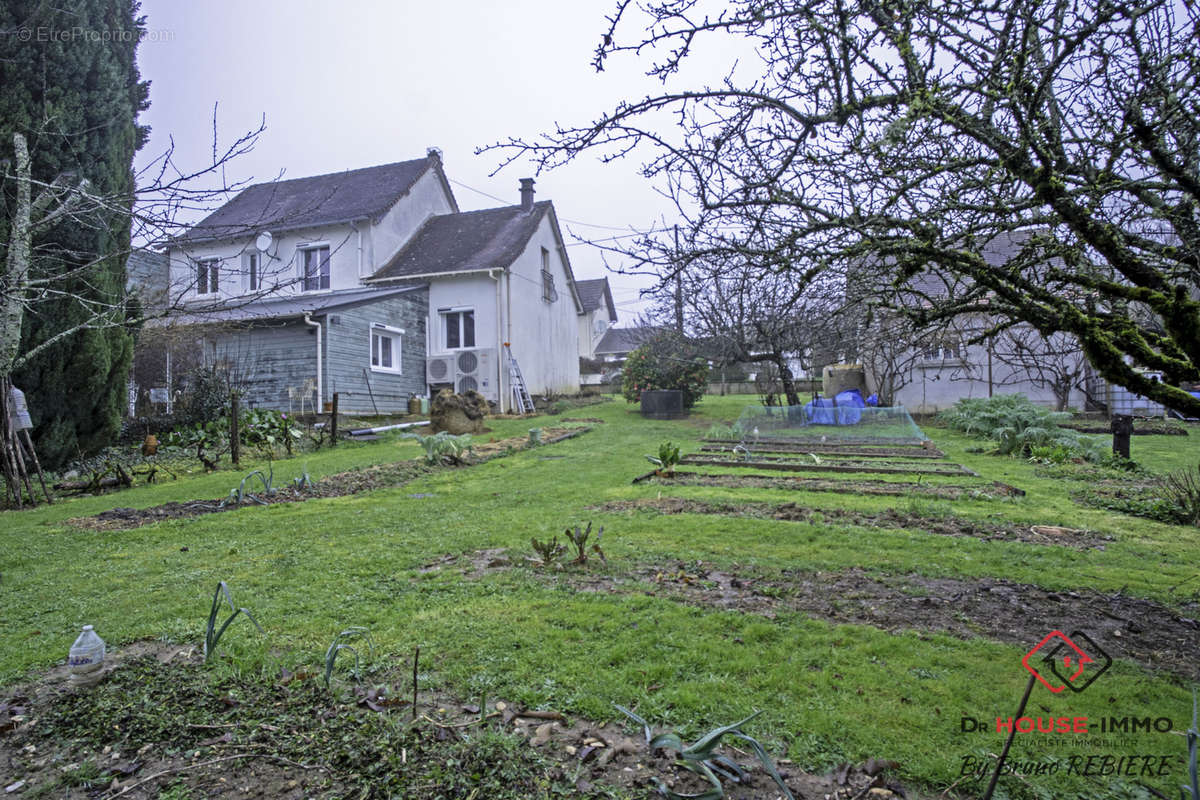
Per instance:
(678,287)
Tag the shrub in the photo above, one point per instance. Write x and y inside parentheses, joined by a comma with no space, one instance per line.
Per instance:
(1018,426)
(1182,490)
(665,363)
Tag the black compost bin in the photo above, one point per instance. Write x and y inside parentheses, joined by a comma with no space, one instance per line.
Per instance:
(663,404)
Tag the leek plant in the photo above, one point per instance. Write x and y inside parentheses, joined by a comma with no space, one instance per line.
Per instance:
(699,757)
(213,634)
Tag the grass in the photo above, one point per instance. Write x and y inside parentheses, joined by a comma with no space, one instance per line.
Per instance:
(830,693)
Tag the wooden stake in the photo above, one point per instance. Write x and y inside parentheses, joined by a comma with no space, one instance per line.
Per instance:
(333,421)
(38,466)
(1011,733)
(416,658)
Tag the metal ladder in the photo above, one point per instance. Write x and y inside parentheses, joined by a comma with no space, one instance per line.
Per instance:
(521,399)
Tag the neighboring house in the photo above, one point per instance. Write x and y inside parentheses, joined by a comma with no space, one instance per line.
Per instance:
(599,315)
(372,284)
(618,343)
(931,370)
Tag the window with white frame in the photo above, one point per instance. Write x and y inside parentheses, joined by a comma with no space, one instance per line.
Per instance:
(942,351)
(458,326)
(208,273)
(385,348)
(314,267)
(549,293)
(251,271)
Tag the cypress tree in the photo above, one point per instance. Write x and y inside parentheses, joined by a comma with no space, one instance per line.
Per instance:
(69,82)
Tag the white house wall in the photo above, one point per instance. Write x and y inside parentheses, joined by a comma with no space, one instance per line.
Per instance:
(544,336)
(426,198)
(592,327)
(281,271)
(936,385)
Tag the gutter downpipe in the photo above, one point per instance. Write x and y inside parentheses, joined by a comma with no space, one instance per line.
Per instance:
(501,352)
(320,386)
(358,230)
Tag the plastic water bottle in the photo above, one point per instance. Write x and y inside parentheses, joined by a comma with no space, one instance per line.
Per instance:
(86,660)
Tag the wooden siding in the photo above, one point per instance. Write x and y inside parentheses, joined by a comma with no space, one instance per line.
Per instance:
(348,354)
(268,358)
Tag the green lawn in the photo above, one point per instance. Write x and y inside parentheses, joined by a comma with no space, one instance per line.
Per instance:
(832,693)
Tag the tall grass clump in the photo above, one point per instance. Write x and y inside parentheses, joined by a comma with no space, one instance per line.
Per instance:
(1018,425)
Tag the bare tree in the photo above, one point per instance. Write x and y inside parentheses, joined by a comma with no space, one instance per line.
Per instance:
(921,131)
(32,278)
(1055,362)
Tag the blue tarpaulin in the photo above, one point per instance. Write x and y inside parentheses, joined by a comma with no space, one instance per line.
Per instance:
(844,409)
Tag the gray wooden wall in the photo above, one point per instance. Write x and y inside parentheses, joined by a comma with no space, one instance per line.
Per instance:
(268,358)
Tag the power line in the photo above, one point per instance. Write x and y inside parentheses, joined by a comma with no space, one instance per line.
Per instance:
(564,219)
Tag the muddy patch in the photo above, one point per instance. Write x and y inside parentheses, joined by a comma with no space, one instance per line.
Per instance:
(161,724)
(1131,628)
(383,476)
(944,491)
(942,525)
(818,464)
(831,450)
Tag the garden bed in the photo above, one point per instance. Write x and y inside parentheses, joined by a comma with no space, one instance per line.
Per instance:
(793,465)
(863,486)
(827,450)
(1136,629)
(384,476)
(161,725)
(942,525)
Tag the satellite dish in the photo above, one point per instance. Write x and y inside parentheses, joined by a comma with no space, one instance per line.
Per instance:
(264,241)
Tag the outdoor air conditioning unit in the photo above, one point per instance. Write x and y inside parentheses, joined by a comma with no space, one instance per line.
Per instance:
(439,369)
(474,370)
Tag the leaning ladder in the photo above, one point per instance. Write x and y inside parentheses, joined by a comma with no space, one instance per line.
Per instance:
(521,399)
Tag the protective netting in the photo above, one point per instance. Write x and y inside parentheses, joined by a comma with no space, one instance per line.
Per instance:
(824,420)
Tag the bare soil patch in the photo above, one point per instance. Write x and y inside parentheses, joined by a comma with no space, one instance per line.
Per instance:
(159,721)
(1131,628)
(873,487)
(943,525)
(912,450)
(383,476)
(829,451)
(832,465)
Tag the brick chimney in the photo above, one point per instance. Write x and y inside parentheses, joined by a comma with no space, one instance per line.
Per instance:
(527,194)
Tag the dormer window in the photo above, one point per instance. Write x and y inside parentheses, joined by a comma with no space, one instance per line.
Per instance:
(208,273)
(314,267)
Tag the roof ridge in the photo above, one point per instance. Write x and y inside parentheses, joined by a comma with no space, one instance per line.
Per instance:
(334,173)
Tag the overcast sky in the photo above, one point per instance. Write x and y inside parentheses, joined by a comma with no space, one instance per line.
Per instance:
(354,84)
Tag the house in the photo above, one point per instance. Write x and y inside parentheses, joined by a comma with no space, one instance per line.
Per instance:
(930,370)
(599,315)
(373,284)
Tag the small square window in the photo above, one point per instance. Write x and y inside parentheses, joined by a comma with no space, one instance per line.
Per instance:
(385,348)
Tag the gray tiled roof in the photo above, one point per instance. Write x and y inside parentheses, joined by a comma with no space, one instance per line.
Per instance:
(594,293)
(304,202)
(623,340)
(284,307)
(469,241)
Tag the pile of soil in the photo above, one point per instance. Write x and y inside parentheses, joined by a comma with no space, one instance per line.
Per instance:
(943,525)
(458,413)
